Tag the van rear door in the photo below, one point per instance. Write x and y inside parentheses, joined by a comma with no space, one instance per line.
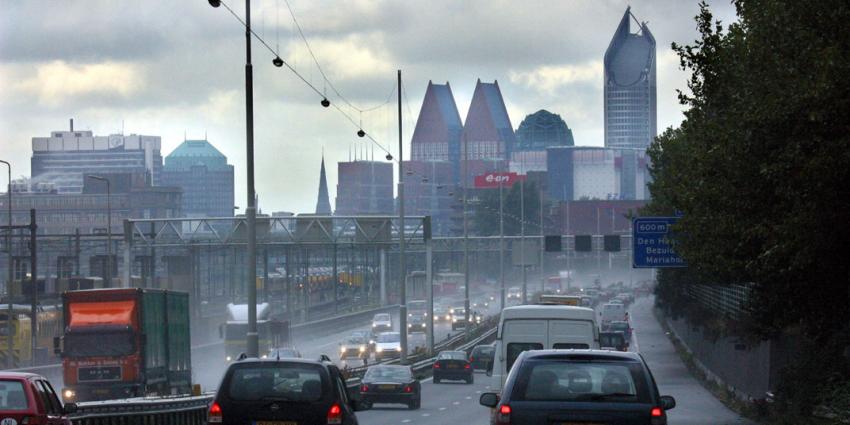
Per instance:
(565,334)
(518,336)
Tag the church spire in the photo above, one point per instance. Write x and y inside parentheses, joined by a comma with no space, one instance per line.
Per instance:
(323,205)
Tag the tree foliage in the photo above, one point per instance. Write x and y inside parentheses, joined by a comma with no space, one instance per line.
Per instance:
(761,164)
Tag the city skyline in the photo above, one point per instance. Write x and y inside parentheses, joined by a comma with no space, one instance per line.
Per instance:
(191,83)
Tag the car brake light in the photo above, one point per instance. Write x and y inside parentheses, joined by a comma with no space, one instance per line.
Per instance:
(408,389)
(334,415)
(504,416)
(656,412)
(214,415)
(364,388)
(466,366)
(436,365)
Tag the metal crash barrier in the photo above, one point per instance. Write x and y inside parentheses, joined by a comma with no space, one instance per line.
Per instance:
(180,410)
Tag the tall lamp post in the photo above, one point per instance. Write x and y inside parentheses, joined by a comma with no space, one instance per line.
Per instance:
(11,275)
(252,339)
(108,277)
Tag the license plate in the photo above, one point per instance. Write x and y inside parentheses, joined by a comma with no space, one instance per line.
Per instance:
(452,366)
(275,423)
(386,387)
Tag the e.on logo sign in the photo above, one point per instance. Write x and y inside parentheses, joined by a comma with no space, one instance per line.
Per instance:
(494,180)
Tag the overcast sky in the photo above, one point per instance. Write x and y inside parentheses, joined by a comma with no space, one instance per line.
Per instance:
(169,68)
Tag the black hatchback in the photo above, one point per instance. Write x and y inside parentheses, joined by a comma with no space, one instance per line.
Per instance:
(579,386)
(390,384)
(291,391)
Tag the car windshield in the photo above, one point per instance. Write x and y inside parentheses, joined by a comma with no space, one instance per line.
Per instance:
(382,317)
(393,373)
(485,351)
(620,326)
(356,340)
(452,355)
(277,381)
(100,343)
(586,381)
(12,396)
(389,337)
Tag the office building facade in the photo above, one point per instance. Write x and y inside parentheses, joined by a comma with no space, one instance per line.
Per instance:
(65,156)
(364,188)
(206,178)
(629,84)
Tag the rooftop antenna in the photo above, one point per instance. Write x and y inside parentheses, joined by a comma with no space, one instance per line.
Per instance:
(122,127)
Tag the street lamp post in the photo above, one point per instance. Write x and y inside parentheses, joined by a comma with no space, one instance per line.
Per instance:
(252,339)
(11,275)
(402,269)
(465,241)
(108,278)
(501,248)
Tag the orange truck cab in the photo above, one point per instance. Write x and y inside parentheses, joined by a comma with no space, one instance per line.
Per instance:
(121,343)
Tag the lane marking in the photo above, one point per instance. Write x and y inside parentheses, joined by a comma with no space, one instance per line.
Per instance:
(405,421)
(426,414)
(442,408)
(456,403)
(468,397)
(635,338)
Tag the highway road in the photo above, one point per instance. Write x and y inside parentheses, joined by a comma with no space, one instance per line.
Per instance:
(457,403)
(208,360)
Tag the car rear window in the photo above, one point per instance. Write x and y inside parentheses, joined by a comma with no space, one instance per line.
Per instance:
(451,355)
(611,340)
(389,337)
(12,396)
(570,346)
(584,381)
(392,373)
(516,348)
(277,381)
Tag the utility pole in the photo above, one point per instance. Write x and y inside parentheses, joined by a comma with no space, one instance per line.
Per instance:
(11,275)
(252,339)
(465,240)
(34,287)
(522,241)
(501,248)
(401,268)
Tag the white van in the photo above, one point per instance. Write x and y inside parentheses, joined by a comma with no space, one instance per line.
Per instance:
(539,327)
(612,313)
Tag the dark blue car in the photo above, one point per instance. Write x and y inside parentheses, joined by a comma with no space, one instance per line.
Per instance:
(579,386)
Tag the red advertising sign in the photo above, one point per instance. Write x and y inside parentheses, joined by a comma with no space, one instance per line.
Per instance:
(493,180)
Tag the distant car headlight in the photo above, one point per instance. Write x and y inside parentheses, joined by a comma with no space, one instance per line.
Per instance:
(362,348)
(342,349)
(68,394)
(265,356)
(409,325)
(454,319)
(448,317)
(379,349)
(374,325)
(228,358)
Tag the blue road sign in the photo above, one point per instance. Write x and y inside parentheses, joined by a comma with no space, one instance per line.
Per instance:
(653,245)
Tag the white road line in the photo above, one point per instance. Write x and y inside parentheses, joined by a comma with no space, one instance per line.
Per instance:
(635,338)
(468,397)
(405,421)
(441,409)
(427,379)
(426,414)
(456,403)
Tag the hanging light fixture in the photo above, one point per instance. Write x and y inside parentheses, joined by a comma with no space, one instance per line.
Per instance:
(277,61)
(326,102)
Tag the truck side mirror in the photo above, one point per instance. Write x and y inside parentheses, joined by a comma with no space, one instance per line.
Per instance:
(69,408)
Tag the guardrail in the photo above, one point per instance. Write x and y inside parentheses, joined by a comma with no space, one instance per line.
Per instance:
(188,410)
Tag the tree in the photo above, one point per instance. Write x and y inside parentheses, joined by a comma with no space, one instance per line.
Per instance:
(760,165)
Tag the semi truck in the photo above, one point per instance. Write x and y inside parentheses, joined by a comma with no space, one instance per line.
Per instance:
(126,342)
(272,333)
